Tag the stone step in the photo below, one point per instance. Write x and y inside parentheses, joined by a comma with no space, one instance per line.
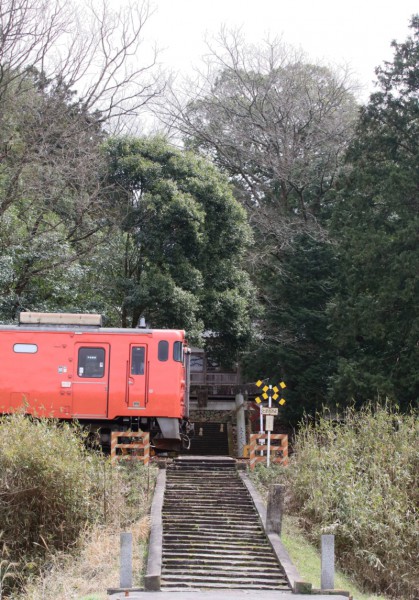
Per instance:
(212,535)
(209,468)
(209,542)
(219,576)
(182,525)
(205,491)
(214,529)
(219,579)
(219,536)
(196,543)
(173,526)
(213,484)
(208,558)
(214,568)
(209,474)
(216,510)
(213,515)
(230,521)
(205,501)
(189,550)
(183,462)
(177,587)
(215,490)
(225,475)
(229,500)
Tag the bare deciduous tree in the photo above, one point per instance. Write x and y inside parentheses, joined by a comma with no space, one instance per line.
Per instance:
(90,48)
(275,122)
(68,74)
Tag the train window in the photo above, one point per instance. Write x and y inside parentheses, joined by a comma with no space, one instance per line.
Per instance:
(91,362)
(178,351)
(163,351)
(137,360)
(25,348)
(197,363)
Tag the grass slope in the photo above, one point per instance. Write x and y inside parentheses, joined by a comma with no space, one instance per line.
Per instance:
(307,560)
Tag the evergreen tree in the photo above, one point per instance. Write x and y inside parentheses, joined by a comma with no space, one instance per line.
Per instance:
(375,316)
(295,345)
(184,239)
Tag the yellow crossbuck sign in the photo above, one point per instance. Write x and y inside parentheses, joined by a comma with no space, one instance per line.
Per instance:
(270,392)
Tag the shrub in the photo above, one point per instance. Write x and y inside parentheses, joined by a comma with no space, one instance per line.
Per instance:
(59,504)
(50,487)
(357,478)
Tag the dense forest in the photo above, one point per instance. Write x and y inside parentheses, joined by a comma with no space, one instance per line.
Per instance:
(271,212)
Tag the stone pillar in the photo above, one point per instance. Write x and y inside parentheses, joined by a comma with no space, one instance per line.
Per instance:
(275,508)
(241,425)
(328,562)
(125,570)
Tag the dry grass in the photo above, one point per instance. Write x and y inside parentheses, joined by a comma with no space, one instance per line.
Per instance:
(94,568)
(62,507)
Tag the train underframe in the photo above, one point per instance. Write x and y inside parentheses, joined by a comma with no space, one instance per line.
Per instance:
(166,434)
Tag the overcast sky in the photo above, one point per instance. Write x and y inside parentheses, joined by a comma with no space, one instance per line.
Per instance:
(356,32)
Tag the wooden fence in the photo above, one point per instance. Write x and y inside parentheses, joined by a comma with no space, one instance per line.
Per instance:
(135,445)
(258,452)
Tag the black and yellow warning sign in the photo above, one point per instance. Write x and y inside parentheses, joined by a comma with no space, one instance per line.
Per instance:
(270,392)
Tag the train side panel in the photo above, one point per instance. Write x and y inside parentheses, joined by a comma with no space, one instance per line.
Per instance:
(92,374)
(30,374)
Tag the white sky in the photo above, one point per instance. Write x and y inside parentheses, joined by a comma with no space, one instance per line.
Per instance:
(356,33)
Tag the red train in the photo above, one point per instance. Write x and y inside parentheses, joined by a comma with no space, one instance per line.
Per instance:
(69,367)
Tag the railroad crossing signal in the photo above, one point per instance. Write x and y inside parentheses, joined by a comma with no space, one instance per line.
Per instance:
(270,393)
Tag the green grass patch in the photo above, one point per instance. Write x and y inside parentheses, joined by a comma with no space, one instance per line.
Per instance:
(306,558)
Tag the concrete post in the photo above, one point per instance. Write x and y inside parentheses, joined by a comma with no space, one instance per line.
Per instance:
(125,569)
(241,425)
(275,508)
(328,562)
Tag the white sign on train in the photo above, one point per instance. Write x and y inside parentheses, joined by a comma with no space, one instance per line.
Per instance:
(266,410)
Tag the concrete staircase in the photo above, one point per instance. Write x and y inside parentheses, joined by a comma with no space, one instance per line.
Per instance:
(212,537)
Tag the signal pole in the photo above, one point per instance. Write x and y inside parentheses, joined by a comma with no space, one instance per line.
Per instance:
(268,458)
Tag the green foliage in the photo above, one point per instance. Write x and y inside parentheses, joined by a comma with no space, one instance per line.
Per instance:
(51,215)
(357,478)
(185,238)
(51,487)
(296,346)
(375,320)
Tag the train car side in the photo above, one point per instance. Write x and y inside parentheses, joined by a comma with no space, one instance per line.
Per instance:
(94,374)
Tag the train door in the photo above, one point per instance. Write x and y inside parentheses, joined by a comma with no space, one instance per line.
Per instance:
(91,380)
(137,375)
